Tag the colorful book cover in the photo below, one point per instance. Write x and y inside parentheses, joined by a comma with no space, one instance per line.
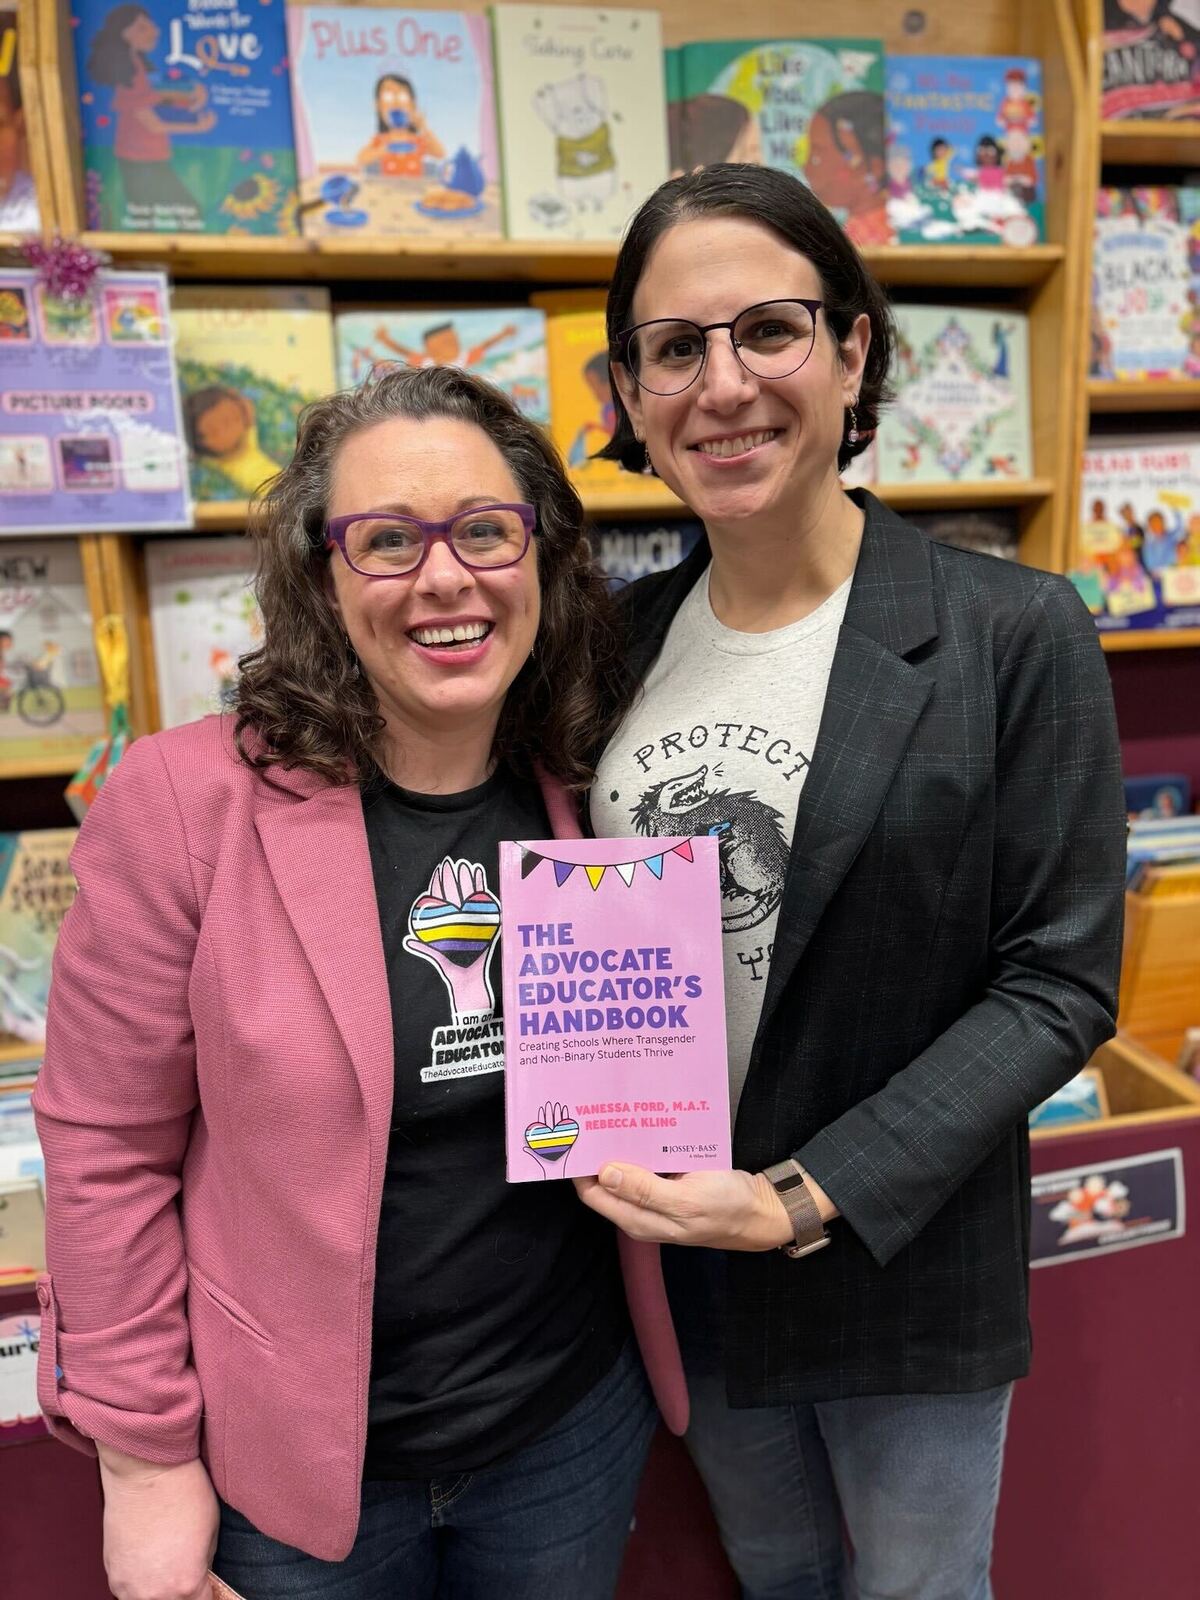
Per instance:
(36,890)
(614,1005)
(627,551)
(505,345)
(1151,60)
(51,708)
(249,361)
(395,122)
(1145,283)
(582,114)
(91,435)
(965,151)
(1081,1099)
(187,120)
(962,405)
(1139,538)
(813,108)
(203,616)
(1158,794)
(18,199)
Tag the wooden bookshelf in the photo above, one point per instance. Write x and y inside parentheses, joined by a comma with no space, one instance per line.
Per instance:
(45,767)
(1160,394)
(1150,143)
(1152,639)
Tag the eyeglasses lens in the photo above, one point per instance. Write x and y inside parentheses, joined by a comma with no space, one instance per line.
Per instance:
(487,538)
(771,341)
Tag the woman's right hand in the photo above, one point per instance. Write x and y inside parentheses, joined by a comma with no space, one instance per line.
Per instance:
(160,1528)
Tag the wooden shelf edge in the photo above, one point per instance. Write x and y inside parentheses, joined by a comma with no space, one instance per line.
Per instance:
(1151,639)
(1153,141)
(1133,394)
(963,496)
(48,767)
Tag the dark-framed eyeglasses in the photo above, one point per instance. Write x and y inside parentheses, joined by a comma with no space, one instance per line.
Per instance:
(385,544)
(772,340)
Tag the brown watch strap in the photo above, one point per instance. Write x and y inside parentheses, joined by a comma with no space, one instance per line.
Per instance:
(790,1182)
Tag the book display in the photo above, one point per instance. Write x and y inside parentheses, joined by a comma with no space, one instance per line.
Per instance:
(1145,282)
(18,199)
(203,616)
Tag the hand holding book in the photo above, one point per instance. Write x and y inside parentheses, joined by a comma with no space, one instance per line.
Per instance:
(720,1210)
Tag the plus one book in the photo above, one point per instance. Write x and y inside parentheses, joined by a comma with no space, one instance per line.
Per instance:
(614,1006)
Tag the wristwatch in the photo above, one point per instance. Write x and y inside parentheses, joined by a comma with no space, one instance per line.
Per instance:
(790,1182)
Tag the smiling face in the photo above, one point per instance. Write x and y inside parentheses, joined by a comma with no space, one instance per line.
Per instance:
(426,687)
(733,446)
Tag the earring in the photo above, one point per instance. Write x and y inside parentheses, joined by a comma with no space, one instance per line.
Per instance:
(852,436)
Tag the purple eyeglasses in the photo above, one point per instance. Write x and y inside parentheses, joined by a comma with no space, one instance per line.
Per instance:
(385,544)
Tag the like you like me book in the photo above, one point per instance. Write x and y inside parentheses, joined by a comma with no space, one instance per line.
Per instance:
(614,1005)
(395,122)
(187,120)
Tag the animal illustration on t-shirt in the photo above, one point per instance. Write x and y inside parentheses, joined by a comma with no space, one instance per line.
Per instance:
(454,925)
(752,849)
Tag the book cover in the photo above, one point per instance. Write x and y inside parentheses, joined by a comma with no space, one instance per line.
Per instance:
(962,405)
(91,435)
(814,108)
(203,617)
(249,361)
(187,120)
(614,1006)
(51,708)
(36,890)
(1081,1099)
(395,122)
(1145,283)
(18,198)
(626,551)
(965,150)
(1139,539)
(582,116)
(1151,59)
(505,345)
(1158,794)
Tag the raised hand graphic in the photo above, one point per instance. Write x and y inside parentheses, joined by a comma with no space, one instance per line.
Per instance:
(454,926)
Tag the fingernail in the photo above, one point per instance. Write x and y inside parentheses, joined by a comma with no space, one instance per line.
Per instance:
(611,1177)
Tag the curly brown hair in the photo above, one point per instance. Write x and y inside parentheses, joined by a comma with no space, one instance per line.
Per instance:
(302,700)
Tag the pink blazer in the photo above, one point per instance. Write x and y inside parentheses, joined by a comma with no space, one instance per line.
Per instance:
(214,1108)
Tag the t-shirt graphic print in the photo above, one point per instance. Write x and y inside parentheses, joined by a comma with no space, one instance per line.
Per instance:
(454,926)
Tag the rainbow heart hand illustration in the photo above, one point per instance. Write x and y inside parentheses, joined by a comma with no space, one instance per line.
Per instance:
(454,925)
(553,1134)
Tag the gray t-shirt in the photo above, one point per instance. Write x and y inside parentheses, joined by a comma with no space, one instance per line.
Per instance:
(721,741)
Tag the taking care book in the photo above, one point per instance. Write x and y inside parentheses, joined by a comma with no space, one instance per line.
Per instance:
(203,617)
(614,1006)
(36,891)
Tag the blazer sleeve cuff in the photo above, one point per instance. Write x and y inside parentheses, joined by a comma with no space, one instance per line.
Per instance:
(862,1208)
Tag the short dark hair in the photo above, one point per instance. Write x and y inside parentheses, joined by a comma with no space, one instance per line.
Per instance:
(737,189)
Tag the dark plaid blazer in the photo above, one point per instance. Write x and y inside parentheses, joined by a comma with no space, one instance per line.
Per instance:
(947,954)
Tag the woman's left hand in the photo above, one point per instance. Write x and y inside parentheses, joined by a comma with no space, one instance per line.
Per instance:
(723,1210)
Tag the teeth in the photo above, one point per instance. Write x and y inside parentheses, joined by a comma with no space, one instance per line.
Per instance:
(459,634)
(736,447)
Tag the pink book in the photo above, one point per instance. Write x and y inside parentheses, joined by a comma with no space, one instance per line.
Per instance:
(614,1006)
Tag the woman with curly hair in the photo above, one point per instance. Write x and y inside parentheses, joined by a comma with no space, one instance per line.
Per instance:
(341,1357)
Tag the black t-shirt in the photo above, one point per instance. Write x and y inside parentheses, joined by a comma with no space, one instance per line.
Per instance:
(497,1305)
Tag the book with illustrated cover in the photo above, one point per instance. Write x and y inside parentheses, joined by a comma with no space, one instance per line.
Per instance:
(965,150)
(1145,283)
(582,117)
(36,891)
(249,361)
(1139,538)
(505,345)
(962,404)
(51,707)
(203,616)
(629,550)
(395,122)
(1151,59)
(187,119)
(614,1006)
(18,198)
(814,108)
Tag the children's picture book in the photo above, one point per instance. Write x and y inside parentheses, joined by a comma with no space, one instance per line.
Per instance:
(187,119)
(91,435)
(51,708)
(614,1006)
(249,361)
(18,198)
(36,890)
(1151,59)
(814,108)
(1145,320)
(582,114)
(965,151)
(627,551)
(962,405)
(204,617)
(395,122)
(1139,539)
(1081,1099)
(1158,794)
(505,345)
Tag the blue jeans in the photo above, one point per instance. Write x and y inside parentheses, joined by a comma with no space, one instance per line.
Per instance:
(912,1480)
(550,1523)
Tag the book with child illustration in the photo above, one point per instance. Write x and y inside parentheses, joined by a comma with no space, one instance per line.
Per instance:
(962,403)
(395,122)
(965,151)
(582,117)
(814,108)
(18,198)
(36,891)
(505,345)
(203,616)
(1151,59)
(1145,317)
(249,361)
(187,118)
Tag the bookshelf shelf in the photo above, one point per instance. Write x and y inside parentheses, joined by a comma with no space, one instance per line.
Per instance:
(1167,394)
(1152,639)
(48,767)
(1150,143)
